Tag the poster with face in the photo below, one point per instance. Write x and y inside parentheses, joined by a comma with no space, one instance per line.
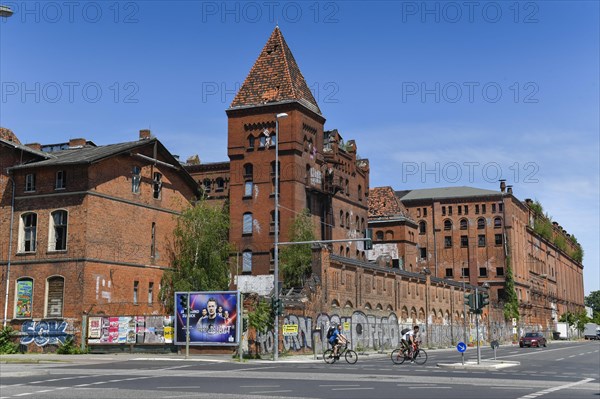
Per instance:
(212,318)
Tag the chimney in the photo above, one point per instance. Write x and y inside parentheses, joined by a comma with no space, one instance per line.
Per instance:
(509,190)
(73,143)
(34,146)
(502,185)
(145,134)
(528,201)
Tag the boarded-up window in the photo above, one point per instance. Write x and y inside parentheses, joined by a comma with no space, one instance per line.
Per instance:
(247,261)
(54,296)
(247,224)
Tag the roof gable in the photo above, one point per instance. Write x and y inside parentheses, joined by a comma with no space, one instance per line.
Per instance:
(383,202)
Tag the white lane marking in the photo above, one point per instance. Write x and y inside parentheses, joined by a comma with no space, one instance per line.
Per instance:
(182,387)
(25,394)
(287,390)
(260,386)
(562,358)
(511,388)
(337,386)
(554,389)
(429,387)
(351,389)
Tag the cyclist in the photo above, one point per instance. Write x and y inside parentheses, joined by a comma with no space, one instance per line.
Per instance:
(409,341)
(337,339)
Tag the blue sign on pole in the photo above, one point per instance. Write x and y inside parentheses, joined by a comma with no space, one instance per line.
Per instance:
(461,347)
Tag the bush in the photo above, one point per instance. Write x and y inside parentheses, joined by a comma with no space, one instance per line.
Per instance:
(7,344)
(69,348)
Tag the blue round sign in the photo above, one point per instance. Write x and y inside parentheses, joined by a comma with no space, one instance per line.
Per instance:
(461,347)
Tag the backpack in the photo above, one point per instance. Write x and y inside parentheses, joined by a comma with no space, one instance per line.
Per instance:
(404,331)
(330,332)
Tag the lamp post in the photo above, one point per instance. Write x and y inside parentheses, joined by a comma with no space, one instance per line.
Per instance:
(477,306)
(276,271)
(427,274)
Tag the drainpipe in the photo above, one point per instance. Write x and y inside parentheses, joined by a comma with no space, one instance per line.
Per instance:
(10,239)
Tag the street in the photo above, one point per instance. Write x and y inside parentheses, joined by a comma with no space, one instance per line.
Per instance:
(562,370)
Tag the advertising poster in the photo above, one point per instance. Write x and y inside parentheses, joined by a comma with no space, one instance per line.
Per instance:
(168,326)
(154,330)
(95,327)
(140,328)
(24,296)
(213,318)
(113,330)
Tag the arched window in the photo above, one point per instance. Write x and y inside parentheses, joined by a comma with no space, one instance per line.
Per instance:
(247,223)
(55,287)
(206,183)
(248,171)
(359,192)
(335,304)
(247,261)
(447,224)
(220,182)
(251,142)
(463,224)
(24,298)
(347,187)
(347,220)
(341,218)
(497,223)
(389,235)
(481,223)
(262,140)
(28,232)
(422,227)
(248,186)
(57,232)
(379,235)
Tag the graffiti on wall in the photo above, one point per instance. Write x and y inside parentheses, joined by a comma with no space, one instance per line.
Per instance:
(45,332)
(366,331)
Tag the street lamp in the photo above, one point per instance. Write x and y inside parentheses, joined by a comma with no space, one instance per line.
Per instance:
(276,271)
(427,273)
(5,11)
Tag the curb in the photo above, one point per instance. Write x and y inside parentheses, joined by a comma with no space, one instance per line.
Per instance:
(484,365)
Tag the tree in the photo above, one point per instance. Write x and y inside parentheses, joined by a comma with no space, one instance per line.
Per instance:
(199,253)
(296,260)
(593,301)
(260,319)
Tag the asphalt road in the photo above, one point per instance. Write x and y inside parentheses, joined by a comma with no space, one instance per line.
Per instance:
(565,370)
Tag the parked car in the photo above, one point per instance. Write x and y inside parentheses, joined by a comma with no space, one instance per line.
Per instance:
(533,339)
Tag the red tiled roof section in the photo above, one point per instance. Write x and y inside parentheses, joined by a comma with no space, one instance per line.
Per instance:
(383,202)
(8,135)
(275,77)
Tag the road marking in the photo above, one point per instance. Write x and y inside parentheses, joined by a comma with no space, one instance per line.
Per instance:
(351,389)
(554,389)
(260,386)
(511,388)
(429,387)
(339,385)
(287,390)
(562,358)
(182,386)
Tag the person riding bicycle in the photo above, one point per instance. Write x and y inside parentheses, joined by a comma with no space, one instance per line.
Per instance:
(409,340)
(337,339)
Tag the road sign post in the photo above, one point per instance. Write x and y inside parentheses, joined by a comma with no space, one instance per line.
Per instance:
(462,347)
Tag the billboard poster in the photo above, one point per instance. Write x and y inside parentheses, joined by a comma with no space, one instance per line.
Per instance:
(95,328)
(24,296)
(213,318)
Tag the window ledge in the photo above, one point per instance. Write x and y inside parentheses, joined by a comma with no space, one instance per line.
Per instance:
(55,251)
(23,253)
(245,197)
(59,188)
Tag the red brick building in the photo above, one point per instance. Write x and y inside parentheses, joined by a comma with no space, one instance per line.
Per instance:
(91,226)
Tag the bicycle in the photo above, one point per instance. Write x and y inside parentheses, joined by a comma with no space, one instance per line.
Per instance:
(350,356)
(400,355)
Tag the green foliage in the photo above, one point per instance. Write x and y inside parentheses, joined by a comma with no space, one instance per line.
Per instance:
(578,319)
(511,305)
(561,243)
(69,348)
(537,208)
(296,260)
(260,319)
(543,227)
(577,255)
(593,301)
(199,253)
(7,344)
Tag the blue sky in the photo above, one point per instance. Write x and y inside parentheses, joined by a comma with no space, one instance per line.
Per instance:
(435,93)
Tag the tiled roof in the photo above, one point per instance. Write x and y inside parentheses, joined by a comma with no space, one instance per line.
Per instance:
(25,148)
(8,135)
(383,202)
(444,192)
(275,77)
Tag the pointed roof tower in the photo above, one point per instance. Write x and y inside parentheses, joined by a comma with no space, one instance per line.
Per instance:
(275,77)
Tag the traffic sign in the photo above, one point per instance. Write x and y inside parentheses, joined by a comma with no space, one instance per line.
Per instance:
(461,347)
(290,330)
(495,344)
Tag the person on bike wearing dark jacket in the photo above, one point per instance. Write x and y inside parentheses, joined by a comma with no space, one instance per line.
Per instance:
(409,340)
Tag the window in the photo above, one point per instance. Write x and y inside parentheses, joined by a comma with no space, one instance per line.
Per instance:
(153,240)
(248,189)
(448,241)
(449,211)
(499,271)
(498,239)
(341,218)
(59,182)
(273,167)
(248,171)
(449,272)
(422,227)
(466,209)
(347,187)
(247,223)
(150,292)
(497,223)
(447,224)
(483,208)
(24,298)
(481,223)
(157,185)
(481,240)
(220,184)
(423,253)
(250,142)
(379,235)
(28,233)
(424,212)
(135,179)
(465,272)
(359,192)
(247,261)
(207,185)
(57,234)
(477,209)
(136,286)
(463,224)
(500,207)
(493,208)
(272,230)
(54,296)
(443,211)
(389,235)
(262,141)
(460,209)
(482,272)
(347,220)
(30,182)
(464,241)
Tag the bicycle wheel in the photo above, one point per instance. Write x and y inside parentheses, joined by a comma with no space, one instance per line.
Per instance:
(351,356)
(398,356)
(421,357)
(328,356)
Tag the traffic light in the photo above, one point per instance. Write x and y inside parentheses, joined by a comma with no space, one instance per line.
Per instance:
(245,324)
(484,299)
(369,241)
(470,301)
(183,302)
(279,307)
(276,307)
